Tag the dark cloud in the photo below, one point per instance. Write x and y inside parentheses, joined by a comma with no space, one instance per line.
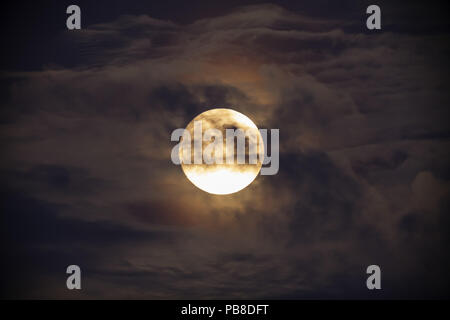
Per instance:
(37,243)
(363,178)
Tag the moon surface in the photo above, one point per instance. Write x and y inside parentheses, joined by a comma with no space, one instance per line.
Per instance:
(224,178)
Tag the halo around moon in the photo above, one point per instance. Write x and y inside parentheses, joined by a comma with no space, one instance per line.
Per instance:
(224,178)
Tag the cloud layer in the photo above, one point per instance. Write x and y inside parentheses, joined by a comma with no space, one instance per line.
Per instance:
(363,166)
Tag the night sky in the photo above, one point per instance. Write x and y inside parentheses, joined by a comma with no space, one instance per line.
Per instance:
(87,179)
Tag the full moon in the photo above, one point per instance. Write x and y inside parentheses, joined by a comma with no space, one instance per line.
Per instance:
(224,178)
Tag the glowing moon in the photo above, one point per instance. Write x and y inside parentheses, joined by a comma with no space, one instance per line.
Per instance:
(227,177)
